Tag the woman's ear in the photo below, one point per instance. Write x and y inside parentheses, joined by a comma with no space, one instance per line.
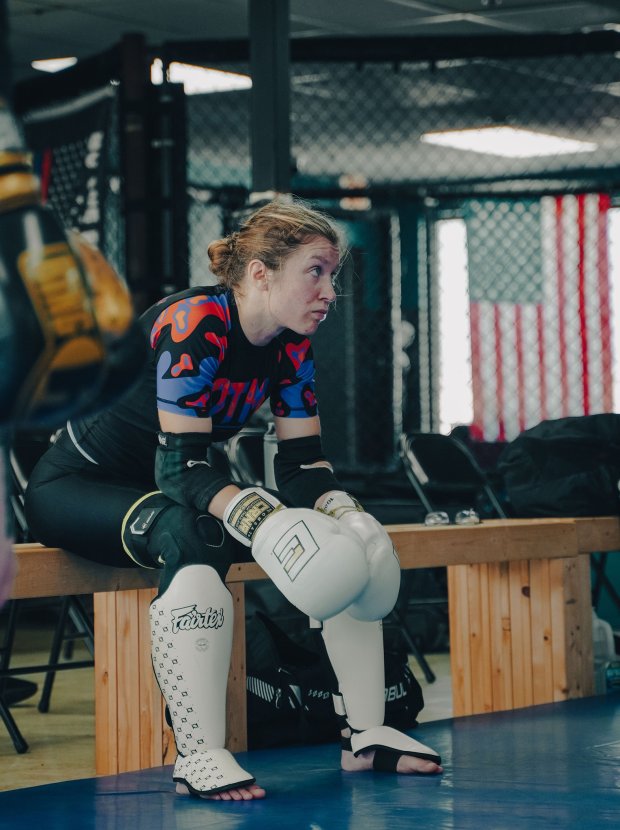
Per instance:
(258,274)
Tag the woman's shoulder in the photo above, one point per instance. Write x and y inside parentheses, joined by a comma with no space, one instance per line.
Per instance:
(187,308)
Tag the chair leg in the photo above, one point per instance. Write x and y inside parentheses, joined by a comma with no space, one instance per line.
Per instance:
(57,641)
(413,648)
(71,610)
(16,736)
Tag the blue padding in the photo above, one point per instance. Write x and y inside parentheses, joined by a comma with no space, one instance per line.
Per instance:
(552,766)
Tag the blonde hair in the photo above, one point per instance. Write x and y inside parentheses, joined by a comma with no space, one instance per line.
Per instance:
(270,234)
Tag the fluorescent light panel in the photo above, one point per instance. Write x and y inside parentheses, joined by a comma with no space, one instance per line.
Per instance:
(510,142)
(197,79)
(53,64)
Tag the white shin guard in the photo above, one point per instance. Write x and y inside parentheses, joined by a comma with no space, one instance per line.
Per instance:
(191,642)
(355,651)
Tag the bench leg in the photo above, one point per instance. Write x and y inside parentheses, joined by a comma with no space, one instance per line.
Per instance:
(236,706)
(520,633)
(130,728)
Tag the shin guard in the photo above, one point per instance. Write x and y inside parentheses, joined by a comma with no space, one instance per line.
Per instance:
(191,631)
(355,651)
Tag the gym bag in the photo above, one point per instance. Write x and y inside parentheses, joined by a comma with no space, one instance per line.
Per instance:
(564,467)
(289,698)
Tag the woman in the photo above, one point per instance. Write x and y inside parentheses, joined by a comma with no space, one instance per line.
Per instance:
(139,472)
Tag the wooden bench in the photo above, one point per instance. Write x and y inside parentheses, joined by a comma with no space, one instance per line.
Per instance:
(519,607)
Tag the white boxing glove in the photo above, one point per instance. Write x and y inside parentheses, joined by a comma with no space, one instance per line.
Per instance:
(316,562)
(380,594)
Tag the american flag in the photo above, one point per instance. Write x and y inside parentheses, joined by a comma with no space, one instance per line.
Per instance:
(539,310)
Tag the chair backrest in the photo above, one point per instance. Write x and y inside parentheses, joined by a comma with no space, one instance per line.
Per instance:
(26,449)
(246,455)
(442,469)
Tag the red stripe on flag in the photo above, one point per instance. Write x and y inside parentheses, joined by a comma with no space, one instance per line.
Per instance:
(581,293)
(602,243)
(561,275)
(520,368)
(542,375)
(477,428)
(499,376)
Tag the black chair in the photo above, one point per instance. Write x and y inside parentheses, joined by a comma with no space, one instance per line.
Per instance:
(446,476)
(74,620)
(245,454)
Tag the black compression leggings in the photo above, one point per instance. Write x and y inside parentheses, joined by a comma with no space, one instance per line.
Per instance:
(81,510)
(73,504)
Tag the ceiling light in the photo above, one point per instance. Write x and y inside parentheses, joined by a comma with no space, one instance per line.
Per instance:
(510,142)
(53,64)
(197,79)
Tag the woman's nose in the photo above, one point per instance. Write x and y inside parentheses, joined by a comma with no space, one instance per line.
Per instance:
(327,289)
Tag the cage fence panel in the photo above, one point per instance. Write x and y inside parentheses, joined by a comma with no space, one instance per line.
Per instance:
(459,122)
(76,155)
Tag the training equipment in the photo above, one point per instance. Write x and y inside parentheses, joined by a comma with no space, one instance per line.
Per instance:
(182,469)
(355,651)
(380,595)
(317,564)
(191,641)
(58,359)
(124,341)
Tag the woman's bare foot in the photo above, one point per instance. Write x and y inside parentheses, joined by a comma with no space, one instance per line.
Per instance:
(407,764)
(238,794)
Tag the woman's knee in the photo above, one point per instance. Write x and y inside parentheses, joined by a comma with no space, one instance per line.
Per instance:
(158,532)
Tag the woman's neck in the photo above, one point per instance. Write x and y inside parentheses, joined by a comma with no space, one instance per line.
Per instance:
(256,322)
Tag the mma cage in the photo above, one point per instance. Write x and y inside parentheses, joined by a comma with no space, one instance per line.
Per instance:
(476,181)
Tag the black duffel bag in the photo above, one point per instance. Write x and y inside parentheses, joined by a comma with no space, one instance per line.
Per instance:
(289,688)
(564,467)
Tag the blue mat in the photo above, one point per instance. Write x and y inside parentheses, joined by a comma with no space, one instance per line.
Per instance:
(551,766)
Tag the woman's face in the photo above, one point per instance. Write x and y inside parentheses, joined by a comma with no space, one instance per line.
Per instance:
(302,290)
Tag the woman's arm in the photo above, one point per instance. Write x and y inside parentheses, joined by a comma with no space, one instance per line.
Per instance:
(171,422)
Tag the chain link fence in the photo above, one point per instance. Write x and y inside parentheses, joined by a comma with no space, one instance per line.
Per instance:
(506,323)
(478,198)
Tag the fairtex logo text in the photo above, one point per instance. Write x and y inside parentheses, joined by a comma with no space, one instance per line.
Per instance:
(189,618)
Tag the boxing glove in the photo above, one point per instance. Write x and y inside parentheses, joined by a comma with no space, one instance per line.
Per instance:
(380,594)
(315,561)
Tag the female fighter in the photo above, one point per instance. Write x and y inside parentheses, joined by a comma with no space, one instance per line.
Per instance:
(134,485)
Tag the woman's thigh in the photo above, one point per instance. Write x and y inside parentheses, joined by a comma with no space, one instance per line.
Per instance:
(80,510)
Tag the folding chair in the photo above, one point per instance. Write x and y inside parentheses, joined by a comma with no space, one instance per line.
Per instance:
(74,621)
(446,476)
